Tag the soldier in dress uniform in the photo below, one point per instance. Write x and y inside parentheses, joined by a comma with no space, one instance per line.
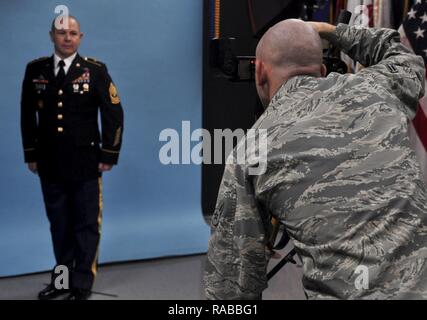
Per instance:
(61,98)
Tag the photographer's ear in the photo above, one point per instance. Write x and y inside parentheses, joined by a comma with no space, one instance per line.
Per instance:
(323,71)
(261,82)
(260,73)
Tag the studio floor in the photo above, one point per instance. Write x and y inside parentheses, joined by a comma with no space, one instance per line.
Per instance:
(175,278)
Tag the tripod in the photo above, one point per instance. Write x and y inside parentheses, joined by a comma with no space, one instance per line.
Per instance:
(284,240)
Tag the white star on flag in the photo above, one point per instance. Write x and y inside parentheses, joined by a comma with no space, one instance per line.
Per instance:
(424,17)
(420,33)
(417,41)
(412,13)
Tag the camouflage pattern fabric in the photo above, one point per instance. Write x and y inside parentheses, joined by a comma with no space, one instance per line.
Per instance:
(341,176)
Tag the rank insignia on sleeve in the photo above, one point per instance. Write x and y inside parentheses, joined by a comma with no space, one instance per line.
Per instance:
(392,68)
(115,99)
(117,137)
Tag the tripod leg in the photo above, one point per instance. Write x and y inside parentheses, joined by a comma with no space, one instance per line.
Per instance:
(285,260)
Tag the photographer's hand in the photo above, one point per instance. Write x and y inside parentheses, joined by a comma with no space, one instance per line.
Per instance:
(322,28)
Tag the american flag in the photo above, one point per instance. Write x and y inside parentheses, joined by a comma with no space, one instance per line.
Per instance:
(414,35)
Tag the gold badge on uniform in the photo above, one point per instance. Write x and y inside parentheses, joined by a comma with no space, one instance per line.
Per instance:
(115,99)
(85,87)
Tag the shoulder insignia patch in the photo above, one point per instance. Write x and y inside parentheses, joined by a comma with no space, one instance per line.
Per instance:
(115,99)
(217,214)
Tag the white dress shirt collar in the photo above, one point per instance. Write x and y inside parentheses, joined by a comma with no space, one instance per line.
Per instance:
(68,61)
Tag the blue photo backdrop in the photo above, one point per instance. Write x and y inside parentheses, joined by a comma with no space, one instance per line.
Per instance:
(153,50)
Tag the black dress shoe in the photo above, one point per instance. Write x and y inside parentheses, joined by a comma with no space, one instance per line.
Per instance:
(50,292)
(78,294)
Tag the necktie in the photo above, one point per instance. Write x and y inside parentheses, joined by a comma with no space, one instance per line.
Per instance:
(61,73)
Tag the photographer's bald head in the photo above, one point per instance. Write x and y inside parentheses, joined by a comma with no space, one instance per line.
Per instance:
(291,47)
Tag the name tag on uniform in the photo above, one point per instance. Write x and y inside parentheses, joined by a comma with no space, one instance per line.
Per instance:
(40,83)
(40,86)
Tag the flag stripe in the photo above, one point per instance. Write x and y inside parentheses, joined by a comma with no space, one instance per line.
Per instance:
(420,122)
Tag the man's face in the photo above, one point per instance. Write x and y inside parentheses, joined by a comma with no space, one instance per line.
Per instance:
(67,40)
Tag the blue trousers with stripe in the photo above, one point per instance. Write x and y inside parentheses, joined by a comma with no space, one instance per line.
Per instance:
(74,210)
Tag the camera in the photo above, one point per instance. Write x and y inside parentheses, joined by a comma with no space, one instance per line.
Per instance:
(242,68)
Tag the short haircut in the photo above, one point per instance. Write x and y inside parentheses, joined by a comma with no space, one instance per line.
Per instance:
(53,28)
(291,43)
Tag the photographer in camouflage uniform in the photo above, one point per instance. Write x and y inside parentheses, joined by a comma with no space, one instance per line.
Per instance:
(341,175)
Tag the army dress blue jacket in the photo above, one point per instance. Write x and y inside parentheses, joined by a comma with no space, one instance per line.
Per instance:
(59,122)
